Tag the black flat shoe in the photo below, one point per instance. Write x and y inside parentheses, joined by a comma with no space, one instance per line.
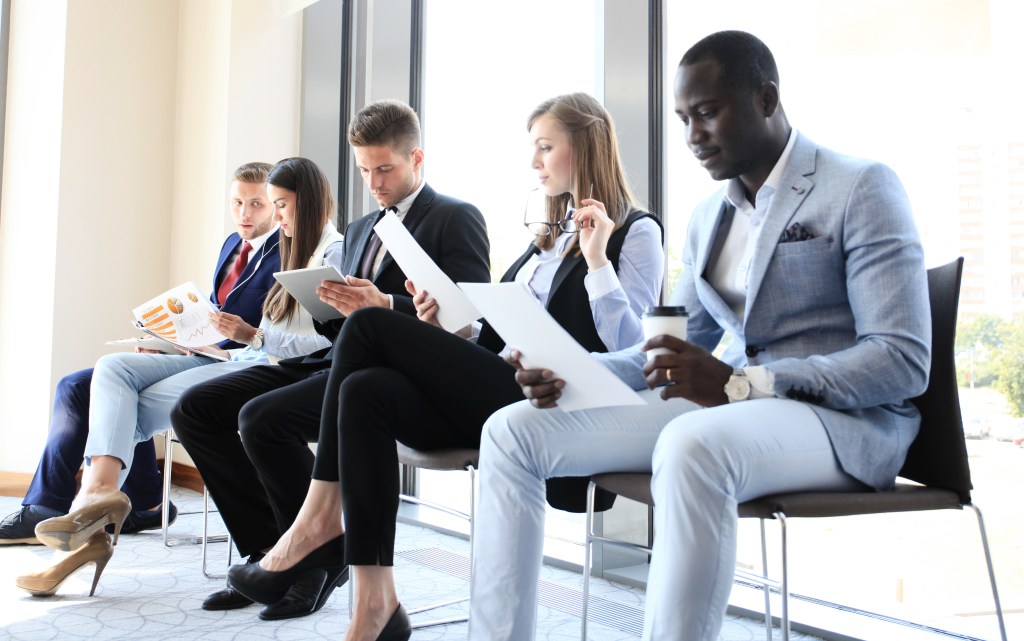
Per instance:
(307,595)
(398,627)
(269,587)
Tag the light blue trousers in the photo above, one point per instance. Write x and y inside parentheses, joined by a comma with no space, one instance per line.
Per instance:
(133,394)
(704,462)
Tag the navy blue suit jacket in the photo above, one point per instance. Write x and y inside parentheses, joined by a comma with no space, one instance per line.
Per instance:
(246,298)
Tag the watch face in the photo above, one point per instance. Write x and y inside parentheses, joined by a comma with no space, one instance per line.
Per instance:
(738,388)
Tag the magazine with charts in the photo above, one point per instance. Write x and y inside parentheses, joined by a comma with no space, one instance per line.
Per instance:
(180,316)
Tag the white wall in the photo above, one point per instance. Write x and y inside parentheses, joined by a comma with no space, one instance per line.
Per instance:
(28,225)
(124,121)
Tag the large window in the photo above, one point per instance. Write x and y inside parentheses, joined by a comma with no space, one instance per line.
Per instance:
(924,87)
(486,67)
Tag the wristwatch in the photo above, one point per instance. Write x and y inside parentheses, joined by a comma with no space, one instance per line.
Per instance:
(257,340)
(738,387)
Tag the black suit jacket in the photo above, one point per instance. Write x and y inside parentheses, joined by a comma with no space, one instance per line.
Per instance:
(452,232)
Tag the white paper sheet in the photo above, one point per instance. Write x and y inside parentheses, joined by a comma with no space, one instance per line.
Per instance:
(454,309)
(526,326)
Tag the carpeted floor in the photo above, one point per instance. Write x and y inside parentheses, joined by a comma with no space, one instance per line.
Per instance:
(149,591)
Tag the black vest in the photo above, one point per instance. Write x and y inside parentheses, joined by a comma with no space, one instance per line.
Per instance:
(569,304)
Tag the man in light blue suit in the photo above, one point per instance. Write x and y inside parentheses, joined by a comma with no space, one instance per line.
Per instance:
(811,261)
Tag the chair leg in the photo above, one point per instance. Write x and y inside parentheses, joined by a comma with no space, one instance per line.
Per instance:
(785,577)
(165,517)
(588,544)
(767,591)
(991,570)
(472,525)
(208,539)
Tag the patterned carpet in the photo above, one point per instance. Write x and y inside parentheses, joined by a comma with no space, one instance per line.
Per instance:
(149,591)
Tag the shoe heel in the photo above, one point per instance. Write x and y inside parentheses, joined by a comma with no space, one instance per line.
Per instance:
(117,518)
(100,565)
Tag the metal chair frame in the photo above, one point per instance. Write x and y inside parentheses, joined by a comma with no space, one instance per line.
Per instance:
(440,461)
(170,541)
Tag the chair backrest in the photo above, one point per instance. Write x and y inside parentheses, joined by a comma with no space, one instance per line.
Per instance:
(938,456)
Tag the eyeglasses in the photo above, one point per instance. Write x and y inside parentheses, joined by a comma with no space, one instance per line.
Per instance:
(540,228)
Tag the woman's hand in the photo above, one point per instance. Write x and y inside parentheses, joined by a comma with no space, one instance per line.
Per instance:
(595,230)
(426,307)
(232,327)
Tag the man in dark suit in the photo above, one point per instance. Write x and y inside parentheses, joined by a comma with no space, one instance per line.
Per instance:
(240,284)
(248,432)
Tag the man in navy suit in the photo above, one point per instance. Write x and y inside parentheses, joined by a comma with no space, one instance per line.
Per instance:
(239,286)
(259,481)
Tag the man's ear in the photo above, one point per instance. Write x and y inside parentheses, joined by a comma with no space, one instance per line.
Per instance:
(417,158)
(768,98)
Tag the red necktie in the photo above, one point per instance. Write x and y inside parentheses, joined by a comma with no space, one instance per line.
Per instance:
(232,277)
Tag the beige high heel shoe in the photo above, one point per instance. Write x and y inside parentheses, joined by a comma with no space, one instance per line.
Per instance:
(97,550)
(71,531)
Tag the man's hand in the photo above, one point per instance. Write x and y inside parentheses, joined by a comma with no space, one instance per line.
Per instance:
(691,372)
(143,350)
(232,327)
(354,293)
(426,307)
(539,385)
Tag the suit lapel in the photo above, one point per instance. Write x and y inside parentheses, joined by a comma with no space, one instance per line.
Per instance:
(411,220)
(708,249)
(793,189)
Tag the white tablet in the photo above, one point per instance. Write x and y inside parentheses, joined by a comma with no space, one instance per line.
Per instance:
(302,284)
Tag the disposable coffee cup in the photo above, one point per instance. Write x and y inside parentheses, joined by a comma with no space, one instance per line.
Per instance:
(664,320)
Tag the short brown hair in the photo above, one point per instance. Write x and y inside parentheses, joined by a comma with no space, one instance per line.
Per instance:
(253,172)
(390,123)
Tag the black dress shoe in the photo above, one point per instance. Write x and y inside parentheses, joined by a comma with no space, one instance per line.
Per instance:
(307,595)
(228,598)
(270,587)
(398,627)
(140,520)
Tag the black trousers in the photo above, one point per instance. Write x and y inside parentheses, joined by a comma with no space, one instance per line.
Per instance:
(397,378)
(247,433)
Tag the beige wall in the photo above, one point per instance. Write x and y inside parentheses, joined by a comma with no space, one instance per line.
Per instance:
(124,120)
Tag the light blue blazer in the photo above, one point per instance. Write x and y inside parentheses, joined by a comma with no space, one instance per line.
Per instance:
(841,320)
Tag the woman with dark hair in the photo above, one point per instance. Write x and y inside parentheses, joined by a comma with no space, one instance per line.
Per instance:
(595,268)
(132,394)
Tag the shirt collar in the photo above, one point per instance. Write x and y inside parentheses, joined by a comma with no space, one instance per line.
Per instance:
(735,193)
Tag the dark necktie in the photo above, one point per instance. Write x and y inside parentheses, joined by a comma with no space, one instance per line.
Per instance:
(366,267)
(232,276)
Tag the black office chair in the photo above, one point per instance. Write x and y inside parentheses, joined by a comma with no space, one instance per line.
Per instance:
(936,463)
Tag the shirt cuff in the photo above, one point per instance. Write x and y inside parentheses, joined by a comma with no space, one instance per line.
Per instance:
(762,382)
(391,301)
(601,281)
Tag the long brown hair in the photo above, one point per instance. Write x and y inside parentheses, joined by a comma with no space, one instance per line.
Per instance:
(593,159)
(314,206)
